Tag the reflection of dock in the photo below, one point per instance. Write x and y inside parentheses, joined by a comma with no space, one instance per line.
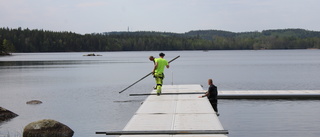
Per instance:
(174,115)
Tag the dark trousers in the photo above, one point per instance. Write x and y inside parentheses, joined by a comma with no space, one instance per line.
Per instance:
(214,104)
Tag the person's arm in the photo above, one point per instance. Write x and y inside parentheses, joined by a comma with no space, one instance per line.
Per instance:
(205,95)
(167,65)
(155,67)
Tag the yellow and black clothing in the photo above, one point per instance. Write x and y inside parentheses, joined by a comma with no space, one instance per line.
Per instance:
(158,73)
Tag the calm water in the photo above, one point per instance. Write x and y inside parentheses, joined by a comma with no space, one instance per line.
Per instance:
(82,92)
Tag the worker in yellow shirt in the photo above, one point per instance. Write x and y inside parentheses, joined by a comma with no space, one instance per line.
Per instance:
(159,65)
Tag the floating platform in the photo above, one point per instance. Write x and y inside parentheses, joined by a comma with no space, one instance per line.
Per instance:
(179,112)
(174,115)
(269,94)
(253,94)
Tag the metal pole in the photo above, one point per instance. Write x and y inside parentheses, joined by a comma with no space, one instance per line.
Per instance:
(171,77)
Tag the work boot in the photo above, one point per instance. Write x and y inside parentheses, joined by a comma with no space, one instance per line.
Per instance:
(158,90)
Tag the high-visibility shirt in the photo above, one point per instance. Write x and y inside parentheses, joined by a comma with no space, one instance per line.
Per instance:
(162,63)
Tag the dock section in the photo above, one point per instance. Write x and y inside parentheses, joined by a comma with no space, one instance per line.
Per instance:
(175,115)
(255,94)
(269,94)
(178,112)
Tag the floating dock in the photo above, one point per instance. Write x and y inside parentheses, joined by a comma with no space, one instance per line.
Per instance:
(179,112)
(269,94)
(254,94)
(174,115)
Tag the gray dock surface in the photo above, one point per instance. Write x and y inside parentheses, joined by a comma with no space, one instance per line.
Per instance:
(254,94)
(179,112)
(269,94)
(182,113)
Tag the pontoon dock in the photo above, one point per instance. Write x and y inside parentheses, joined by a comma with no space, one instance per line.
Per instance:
(178,112)
(175,115)
(270,94)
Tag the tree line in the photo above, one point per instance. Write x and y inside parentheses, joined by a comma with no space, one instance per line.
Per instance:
(26,40)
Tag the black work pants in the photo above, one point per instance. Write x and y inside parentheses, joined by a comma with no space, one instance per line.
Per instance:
(214,104)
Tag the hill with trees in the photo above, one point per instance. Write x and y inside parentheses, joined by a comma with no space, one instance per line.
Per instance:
(26,40)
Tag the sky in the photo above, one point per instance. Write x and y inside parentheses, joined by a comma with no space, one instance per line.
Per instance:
(178,16)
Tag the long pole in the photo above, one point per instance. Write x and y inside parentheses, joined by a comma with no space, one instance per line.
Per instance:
(145,76)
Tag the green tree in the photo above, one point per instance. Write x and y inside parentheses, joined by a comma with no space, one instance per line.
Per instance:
(7,47)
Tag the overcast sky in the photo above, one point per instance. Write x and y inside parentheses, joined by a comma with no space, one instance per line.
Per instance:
(89,16)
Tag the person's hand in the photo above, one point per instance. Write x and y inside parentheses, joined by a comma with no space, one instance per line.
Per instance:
(200,96)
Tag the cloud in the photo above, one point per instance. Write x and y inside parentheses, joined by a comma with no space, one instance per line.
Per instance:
(166,15)
(91,4)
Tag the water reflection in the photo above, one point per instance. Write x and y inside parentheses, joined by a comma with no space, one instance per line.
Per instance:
(54,64)
(59,62)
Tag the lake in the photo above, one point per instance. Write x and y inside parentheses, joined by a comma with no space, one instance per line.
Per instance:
(83,91)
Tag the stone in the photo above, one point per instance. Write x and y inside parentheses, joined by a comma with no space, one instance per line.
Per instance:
(34,102)
(92,54)
(47,128)
(6,114)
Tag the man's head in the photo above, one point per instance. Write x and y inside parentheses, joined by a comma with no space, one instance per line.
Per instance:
(151,58)
(161,54)
(210,82)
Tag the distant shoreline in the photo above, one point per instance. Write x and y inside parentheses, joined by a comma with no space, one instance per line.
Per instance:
(5,54)
(25,41)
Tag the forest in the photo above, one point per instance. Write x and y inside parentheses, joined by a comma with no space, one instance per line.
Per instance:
(26,40)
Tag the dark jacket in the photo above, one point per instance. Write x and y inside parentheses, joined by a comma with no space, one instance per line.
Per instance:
(213,93)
